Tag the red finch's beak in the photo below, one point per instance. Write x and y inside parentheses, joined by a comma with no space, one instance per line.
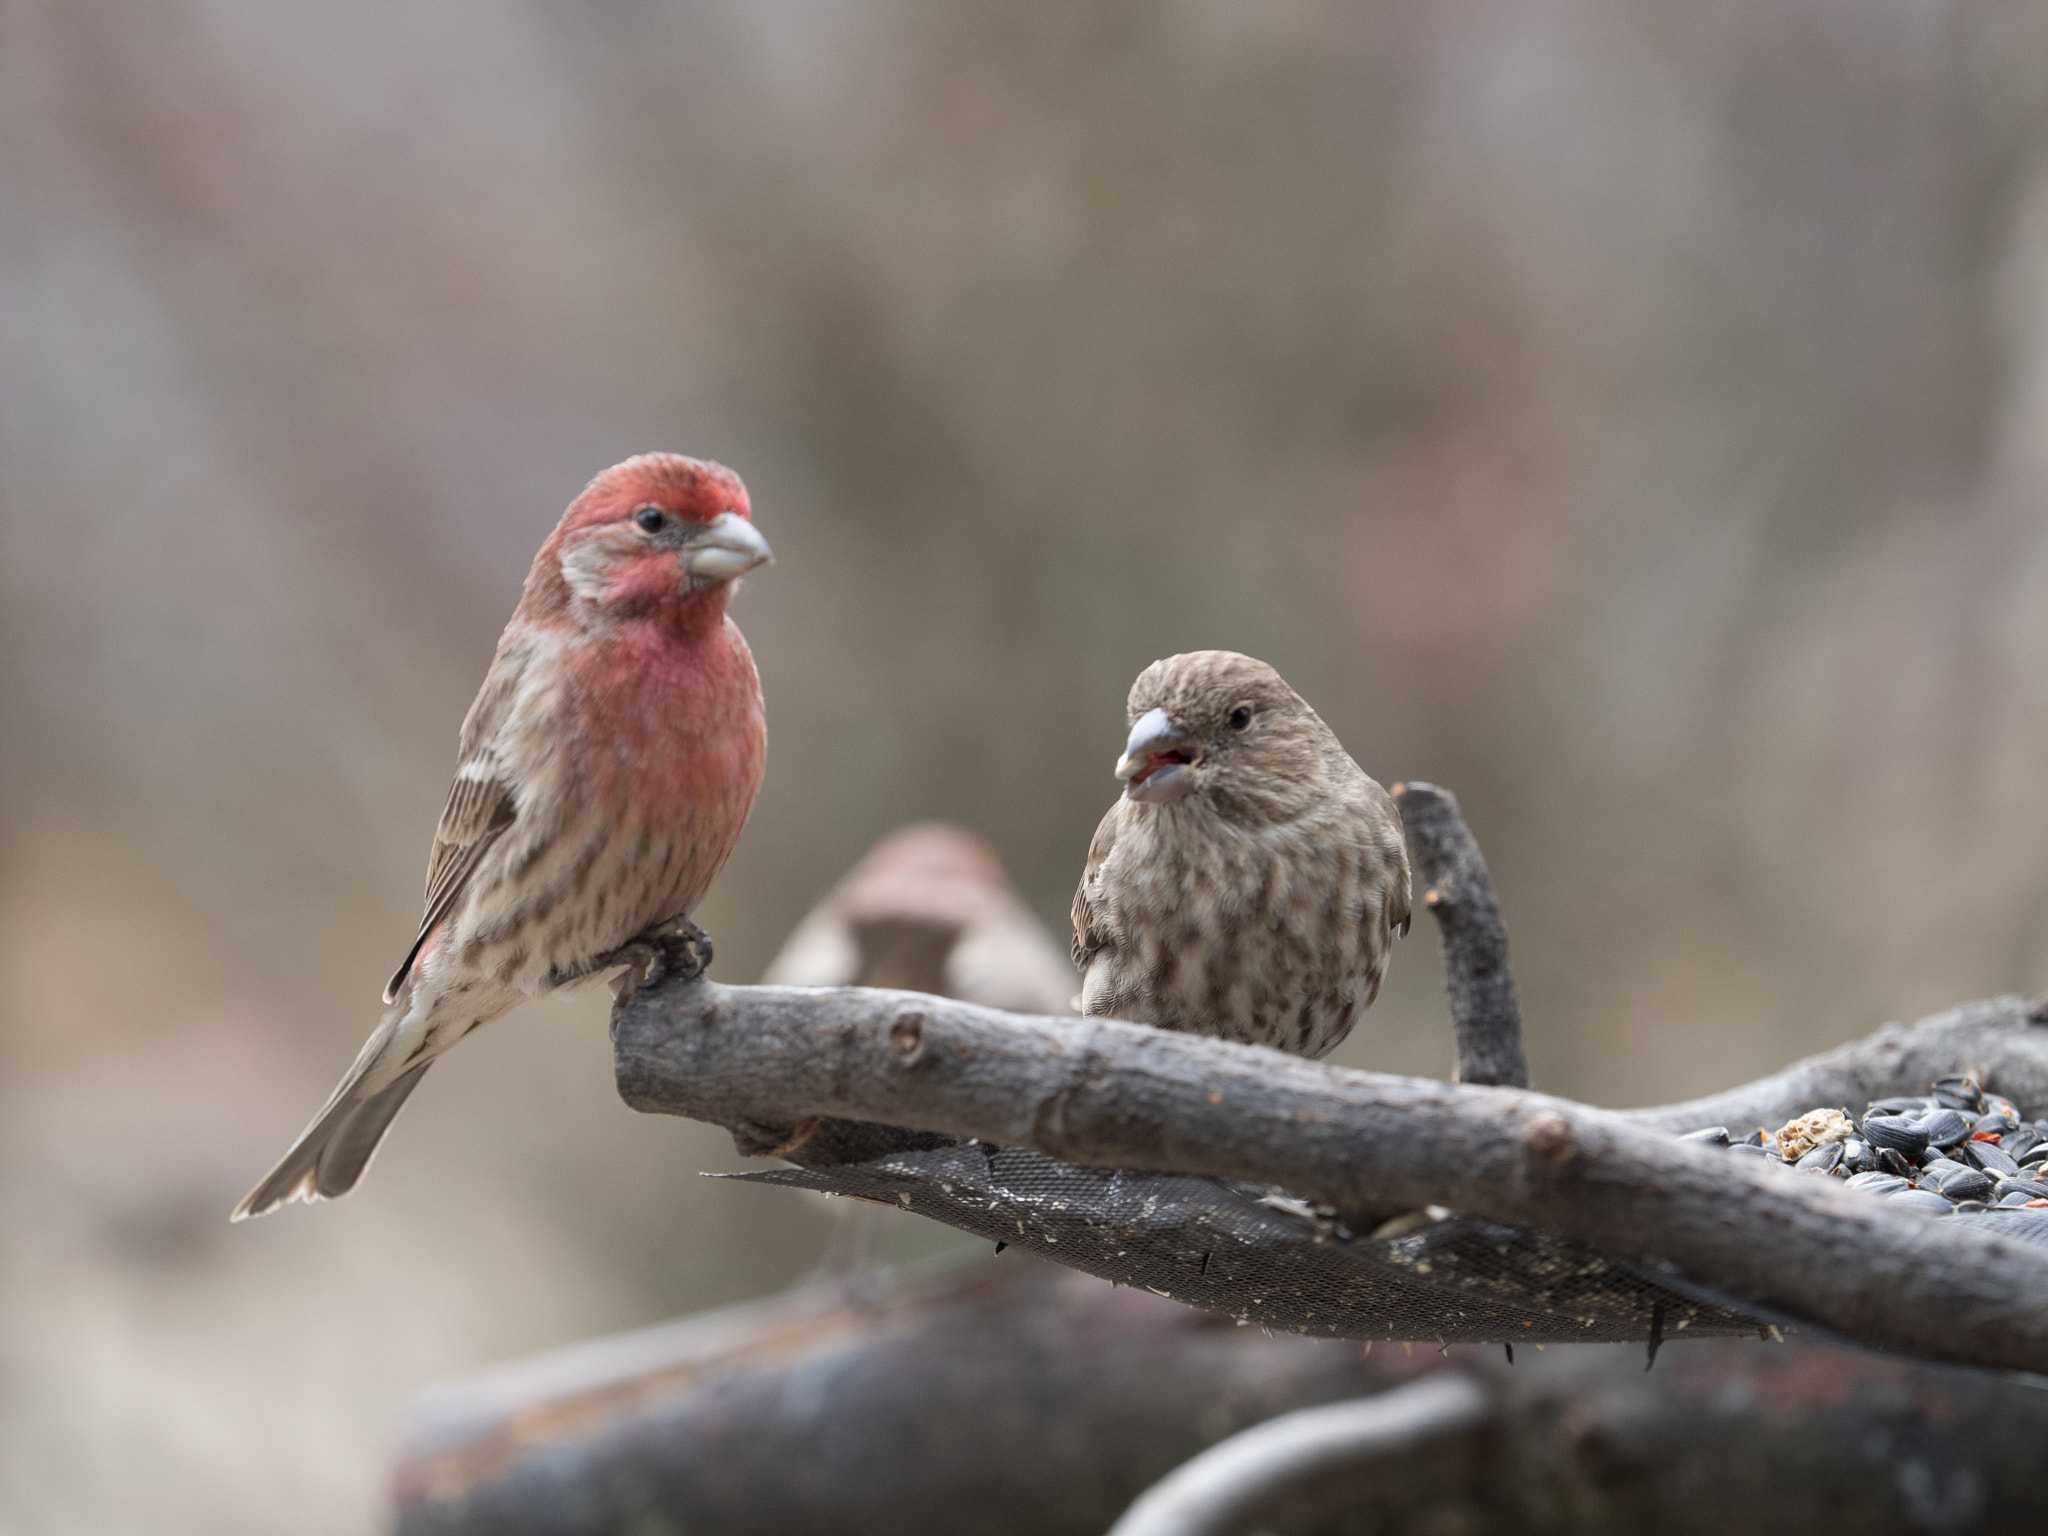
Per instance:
(726,550)
(1157,760)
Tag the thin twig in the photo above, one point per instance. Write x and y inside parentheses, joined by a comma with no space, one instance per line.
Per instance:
(1223,1491)
(1451,880)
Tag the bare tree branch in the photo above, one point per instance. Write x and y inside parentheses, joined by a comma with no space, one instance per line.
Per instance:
(1110,1094)
(1224,1490)
(1453,883)
(2003,1040)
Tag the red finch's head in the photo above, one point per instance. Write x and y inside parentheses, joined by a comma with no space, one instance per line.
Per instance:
(1221,723)
(649,535)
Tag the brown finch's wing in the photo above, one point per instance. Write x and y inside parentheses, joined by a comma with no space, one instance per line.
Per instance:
(1086,940)
(1387,813)
(480,806)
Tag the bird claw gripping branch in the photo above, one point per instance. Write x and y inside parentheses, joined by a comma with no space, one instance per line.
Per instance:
(677,950)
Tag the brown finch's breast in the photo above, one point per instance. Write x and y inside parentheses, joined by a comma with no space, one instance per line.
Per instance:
(1276,935)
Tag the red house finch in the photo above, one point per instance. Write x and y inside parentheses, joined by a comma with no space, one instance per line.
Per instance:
(929,909)
(606,769)
(1252,879)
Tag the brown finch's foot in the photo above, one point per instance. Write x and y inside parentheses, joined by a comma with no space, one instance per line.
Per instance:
(750,1138)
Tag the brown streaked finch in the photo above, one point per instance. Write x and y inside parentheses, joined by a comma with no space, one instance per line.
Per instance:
(605,771)
(929,909)
(1252,879)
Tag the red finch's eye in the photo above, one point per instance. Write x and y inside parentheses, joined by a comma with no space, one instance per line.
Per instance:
(1240,717)
(650,519)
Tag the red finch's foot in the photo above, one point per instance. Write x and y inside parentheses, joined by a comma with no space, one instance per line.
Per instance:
(677,948)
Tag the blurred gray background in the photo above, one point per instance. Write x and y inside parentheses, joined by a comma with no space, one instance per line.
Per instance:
(1634,416)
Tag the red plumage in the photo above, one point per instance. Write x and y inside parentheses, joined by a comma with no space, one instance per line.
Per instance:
(606,769)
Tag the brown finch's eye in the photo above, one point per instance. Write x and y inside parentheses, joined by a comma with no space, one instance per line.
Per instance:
(650,519)
(1240,717)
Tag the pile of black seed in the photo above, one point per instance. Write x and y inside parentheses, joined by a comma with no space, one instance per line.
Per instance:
(1957,1150)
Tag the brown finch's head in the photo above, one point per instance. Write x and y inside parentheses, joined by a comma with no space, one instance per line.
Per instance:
(1226,728)
(648,536)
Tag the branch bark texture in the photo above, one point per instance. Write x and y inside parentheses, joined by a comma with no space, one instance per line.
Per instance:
(2003,1040)
(1110,1094)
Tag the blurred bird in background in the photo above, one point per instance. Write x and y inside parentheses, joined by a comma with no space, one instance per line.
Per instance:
(1252,878)
(929,909)
(606,769)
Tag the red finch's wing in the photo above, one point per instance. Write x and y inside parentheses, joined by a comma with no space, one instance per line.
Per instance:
(1086,940)
(480,806)
(478,810)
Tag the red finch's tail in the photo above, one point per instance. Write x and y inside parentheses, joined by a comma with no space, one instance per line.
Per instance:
(331,1154)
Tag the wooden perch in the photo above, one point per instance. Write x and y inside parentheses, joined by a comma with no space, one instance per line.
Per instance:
(1110,1094)
(1451,880)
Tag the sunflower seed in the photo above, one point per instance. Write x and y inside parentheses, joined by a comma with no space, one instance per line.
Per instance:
(1946,1127)
(1963,1184)
(1960,1092)
(1822,1159)
(1986,1155)
(1921,1200)
(1906,1137)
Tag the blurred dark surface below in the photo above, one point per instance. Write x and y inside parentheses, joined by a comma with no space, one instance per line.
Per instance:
(1013,1398)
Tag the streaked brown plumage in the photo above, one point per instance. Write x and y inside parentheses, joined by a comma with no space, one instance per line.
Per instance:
(1252,879)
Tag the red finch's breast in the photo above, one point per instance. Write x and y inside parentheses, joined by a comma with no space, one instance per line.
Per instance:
(668,739)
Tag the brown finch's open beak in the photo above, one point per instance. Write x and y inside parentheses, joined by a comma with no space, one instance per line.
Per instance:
(1157,760)
(726,550)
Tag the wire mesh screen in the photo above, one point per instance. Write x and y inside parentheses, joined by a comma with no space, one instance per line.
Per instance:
(1266,1258)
